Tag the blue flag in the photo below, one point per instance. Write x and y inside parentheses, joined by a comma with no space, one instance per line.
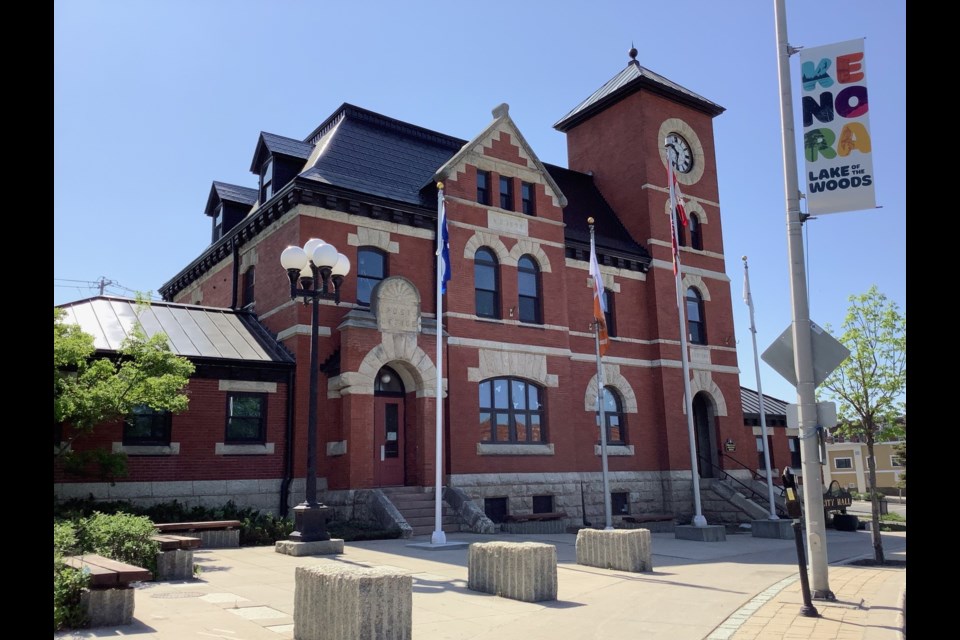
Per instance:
(443,246)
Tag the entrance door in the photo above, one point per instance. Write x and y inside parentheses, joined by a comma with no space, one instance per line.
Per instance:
(706,455)
(388,442)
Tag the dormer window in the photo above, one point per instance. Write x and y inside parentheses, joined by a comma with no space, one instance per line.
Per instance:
(218,223)
(266,181)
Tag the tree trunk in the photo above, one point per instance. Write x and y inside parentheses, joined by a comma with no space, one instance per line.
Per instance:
(874,499)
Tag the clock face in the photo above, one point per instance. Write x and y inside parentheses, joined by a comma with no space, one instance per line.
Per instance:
(684,157)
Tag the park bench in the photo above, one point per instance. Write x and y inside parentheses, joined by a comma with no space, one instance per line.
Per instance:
(212,534)
(109,600)
(175,560)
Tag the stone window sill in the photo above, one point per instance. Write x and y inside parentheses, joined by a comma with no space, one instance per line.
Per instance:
(244,449)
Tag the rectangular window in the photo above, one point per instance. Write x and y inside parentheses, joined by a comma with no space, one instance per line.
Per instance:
(608,316)
(218,223)
(620,503)
(527,192)
(147,427)
(843,463)
(483,187)
(246,418)
(495,509)
(371,269)
(248,281)
(266,181)
(794,452)
(506,193)
(895,461)
(543,504)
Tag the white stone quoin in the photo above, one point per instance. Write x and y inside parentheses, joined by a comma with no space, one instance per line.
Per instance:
(524,571)
(621,549)
(341,602)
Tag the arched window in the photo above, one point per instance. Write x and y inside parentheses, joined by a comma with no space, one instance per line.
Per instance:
(511,411)
(528,285)
(387,383)
(681,230)
(613,417)
(696,321)
(486,284)
(696,232)
(371,269)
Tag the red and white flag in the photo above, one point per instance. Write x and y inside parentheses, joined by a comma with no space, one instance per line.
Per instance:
(676,198)
(599,300)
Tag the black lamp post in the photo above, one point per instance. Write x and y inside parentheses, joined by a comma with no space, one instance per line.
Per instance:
(313,267)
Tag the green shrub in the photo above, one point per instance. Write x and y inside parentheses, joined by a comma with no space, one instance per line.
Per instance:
(354,530)
(68,586)
(64,540)
(121,536)
(892,517)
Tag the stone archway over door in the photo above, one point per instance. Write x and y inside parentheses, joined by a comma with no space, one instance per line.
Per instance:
(705,438)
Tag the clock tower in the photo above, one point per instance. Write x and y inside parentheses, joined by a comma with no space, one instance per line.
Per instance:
(620,136)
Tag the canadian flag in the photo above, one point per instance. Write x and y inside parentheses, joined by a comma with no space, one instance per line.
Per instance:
(676,198)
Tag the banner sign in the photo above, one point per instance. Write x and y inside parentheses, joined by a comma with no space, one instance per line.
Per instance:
(836,130)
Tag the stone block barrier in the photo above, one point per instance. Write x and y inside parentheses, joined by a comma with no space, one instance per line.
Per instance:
(340,602)
(176,564)
(524,571)
(621,549)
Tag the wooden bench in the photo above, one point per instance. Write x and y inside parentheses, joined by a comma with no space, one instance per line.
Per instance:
(175,560)
(551,522)
(109,600)
(212,534)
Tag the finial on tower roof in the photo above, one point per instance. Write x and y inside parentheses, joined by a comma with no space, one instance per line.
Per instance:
(633,52)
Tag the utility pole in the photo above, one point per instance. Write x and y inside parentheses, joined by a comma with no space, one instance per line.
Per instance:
(802,341)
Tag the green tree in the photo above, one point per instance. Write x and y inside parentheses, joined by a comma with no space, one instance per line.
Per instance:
(901,451)
(89,391)
(870,386)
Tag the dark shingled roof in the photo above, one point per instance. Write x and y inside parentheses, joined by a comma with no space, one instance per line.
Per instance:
(223,192)
(585,200)
(751,404)
(272,143)
(370,153)
(192,331)
(632,79)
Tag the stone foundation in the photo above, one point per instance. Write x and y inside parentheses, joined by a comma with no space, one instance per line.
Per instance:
(334,602)
(524,571)
(624,550)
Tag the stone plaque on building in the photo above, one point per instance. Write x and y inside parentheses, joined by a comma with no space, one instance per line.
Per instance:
(497,221)
(396,304)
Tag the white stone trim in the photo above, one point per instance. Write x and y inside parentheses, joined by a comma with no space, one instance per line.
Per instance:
(302,330)
(498,364)
(399,350)
(337,448)
(703,381)
(690,205)
(525,247)
(491,449)
(248,258)
(173,449)
(222,449)
(694,280)
(572,263)
(491,241)
(367,237)
(251,386)
(699,252)
(329,215)
(611,373)
(696,148)
(684,269)
(614,450)
(509,321)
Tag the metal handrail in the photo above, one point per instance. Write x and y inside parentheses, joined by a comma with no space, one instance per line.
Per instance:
(756,476)
(753,492)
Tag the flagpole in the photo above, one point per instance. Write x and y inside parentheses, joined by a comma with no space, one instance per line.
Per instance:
(698,519)
(601,383)
(748,298)
(439,537)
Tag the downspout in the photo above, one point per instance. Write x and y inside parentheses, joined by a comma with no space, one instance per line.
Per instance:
(288,457)
(236,274)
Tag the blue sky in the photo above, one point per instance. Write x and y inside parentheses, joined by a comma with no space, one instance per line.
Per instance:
(153,100)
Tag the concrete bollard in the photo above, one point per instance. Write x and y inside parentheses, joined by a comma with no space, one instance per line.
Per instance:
(335,602)
(108,607)
(621,549)
(524,571)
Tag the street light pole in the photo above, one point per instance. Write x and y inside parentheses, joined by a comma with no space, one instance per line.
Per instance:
(314,266)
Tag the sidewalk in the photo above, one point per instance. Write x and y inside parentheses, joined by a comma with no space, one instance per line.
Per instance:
(742,588)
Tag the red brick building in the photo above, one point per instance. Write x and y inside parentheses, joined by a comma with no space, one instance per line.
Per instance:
(519,369)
